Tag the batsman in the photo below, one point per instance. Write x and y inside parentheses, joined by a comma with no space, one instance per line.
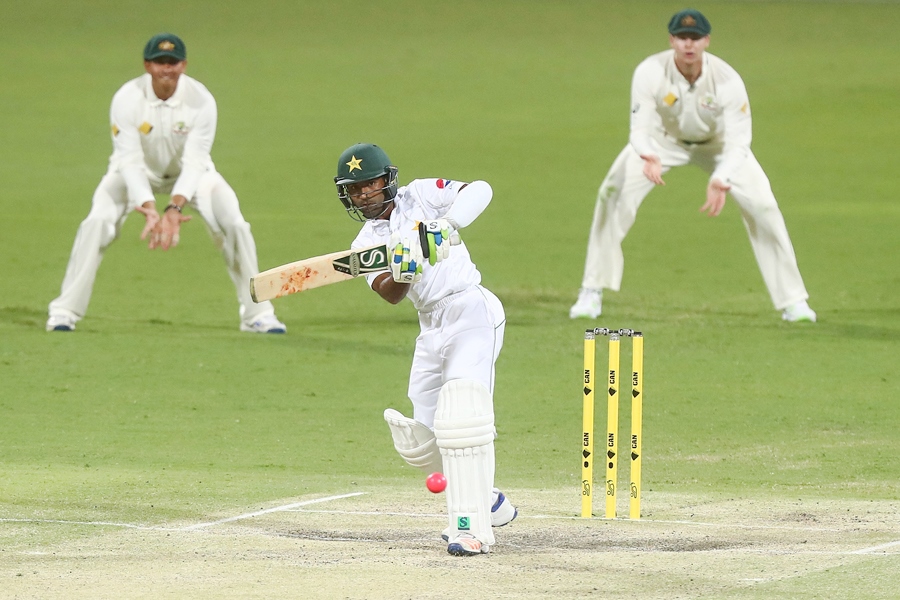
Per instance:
(451,380)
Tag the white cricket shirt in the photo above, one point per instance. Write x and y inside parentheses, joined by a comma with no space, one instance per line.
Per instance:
(423,200)
(715,109)
(160,142)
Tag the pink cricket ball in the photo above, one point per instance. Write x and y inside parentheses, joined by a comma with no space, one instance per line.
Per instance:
(436,482)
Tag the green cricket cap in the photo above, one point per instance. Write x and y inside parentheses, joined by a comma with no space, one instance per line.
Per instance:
(690,20)
(165,44)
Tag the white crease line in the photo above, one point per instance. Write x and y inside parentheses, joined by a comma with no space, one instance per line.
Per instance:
(268,510)
(874,549)
(189,527)
(374,513)
(95,523)
(637,522)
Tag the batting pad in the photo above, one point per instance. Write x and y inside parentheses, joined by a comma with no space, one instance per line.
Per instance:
(464,428)
(414,442)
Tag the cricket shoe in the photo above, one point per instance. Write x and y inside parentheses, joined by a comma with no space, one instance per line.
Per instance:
(61,322)
(266,324)
(466,544)
(588,305)
(502,513)
(799,312)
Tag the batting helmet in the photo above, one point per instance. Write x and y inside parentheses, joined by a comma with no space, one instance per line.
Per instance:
(360,163)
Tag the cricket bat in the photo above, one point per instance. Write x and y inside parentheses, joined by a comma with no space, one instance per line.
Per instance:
(317,271)
(327,269)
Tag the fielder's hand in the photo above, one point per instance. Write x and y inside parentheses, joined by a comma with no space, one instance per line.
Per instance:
(715,197)
(406,259)
(152,220)
(170,226)
(653,168)
(436,237)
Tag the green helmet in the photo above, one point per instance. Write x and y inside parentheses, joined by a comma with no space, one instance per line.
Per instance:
(360,163)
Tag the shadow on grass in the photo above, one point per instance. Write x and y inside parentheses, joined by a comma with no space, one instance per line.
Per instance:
(22,315)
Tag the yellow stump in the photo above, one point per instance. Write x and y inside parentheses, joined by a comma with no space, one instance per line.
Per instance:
(612,425)
(587,450)
(637,408)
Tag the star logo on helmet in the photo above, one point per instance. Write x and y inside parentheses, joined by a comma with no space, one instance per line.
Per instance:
(688,21)
(166,45)
(354,163)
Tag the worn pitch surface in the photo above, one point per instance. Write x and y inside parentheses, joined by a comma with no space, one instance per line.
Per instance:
(385,543)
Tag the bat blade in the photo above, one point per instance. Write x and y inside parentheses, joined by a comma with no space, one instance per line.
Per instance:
(317,271)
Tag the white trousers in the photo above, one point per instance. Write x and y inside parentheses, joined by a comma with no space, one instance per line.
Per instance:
(217,204)
(625,187)
(459,339)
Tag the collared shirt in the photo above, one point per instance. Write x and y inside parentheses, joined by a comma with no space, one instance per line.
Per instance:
(162,144)
(423,200)
(714,109)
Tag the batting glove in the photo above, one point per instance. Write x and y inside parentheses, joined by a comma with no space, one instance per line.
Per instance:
(436,237)
(406,259)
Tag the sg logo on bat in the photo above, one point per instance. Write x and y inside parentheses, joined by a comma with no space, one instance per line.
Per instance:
(367,261)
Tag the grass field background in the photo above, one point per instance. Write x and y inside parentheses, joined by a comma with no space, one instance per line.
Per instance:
(158,409)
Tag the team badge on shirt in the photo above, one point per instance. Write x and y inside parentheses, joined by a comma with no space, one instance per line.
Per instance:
(181,128)
(670,99)
(443,183)
(145,128)
(708,102)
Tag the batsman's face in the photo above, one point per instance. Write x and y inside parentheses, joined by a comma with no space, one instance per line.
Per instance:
(689,47)
(368,196)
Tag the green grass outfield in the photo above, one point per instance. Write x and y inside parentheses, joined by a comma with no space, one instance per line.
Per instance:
(157,409)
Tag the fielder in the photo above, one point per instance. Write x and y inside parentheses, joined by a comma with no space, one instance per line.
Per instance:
(690,107)
(163,124)
(451,381)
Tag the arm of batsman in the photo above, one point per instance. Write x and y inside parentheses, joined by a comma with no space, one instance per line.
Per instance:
(406,259)
(436,237)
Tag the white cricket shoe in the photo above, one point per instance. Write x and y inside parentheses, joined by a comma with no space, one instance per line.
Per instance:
(588,305)
(61,322)
(266,324)
(465,544)
(502,510)
(799,312)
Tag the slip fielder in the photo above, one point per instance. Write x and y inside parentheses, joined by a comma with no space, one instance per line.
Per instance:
(162,126)
(690,107)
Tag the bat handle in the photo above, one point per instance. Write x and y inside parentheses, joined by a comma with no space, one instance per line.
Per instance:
(423,241)
(455,240)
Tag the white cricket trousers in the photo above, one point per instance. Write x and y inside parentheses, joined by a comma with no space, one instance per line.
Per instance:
(460,338)
(217,204)
(625,187)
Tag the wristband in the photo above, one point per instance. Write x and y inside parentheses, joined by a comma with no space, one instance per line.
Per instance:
(171,206)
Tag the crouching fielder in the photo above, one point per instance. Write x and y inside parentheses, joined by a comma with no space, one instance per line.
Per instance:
(690,107)
(162,126)
(461,331)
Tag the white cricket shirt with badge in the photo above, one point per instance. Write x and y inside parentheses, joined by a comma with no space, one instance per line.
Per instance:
(162,146)
(423,200)
(714,109)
